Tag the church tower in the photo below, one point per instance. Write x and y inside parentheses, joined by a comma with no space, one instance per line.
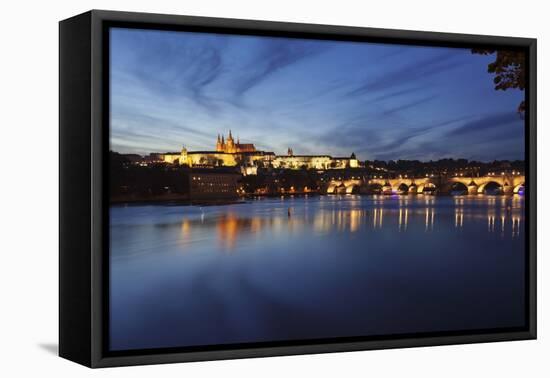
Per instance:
(219,144)
(230,143)
(183,156)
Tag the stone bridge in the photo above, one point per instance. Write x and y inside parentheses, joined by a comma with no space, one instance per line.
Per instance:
(507,183)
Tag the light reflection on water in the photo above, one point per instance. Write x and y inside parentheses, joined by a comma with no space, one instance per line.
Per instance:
(502,215)
(294,267)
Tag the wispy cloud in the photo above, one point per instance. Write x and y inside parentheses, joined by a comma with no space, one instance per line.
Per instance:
(170,67)
(398,144)
(273,56)
(407,105)
(392,95)
(407,74)
(486,122)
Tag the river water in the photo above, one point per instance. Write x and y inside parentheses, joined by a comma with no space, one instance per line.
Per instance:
(278,269)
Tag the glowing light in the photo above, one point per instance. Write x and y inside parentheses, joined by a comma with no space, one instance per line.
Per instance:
(459,218)
(515,225)
(403,219)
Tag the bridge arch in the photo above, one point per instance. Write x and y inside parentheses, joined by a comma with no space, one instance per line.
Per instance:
(491,187)
(458,188)
(375,188)
(519,189)
(402,188)
(352,189)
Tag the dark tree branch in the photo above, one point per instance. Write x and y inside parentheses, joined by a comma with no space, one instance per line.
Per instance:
(509,70)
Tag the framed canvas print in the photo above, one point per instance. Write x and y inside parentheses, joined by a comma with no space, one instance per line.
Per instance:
(233,188)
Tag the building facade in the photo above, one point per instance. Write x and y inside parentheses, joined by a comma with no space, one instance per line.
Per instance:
(213,184)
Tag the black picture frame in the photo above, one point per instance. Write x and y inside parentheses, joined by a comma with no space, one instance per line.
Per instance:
(83,196)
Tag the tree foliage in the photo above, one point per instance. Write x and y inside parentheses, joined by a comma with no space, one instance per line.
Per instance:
(509,70)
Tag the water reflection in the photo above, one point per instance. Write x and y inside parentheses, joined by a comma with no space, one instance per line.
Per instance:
(430,215)
(185,275)
(502,215)
(378,217)
(515,225)
(459,217)
(491,220)
(403,219)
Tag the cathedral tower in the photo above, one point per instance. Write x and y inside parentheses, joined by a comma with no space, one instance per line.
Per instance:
(230,147)
(219,144)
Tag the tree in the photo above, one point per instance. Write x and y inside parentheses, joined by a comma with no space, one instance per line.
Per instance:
(509,69)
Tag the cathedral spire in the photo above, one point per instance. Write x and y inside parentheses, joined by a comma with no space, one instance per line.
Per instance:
(219,144)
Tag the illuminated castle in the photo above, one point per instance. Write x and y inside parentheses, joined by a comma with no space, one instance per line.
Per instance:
(229,153)
(230,147)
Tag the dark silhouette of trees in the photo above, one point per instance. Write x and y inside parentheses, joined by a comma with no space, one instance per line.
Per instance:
(416,168)
(155,179)
(509,70)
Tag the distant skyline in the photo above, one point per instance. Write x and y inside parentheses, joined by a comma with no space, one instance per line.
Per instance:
(386,102)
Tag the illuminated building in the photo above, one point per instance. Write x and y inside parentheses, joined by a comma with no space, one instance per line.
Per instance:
(291,161)
(229,153)
(231,147)
(213,184)
(200,158)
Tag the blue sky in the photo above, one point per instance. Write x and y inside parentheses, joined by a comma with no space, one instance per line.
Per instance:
(174,89)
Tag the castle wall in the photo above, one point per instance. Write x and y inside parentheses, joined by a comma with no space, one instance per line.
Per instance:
(211,159)
(170,158)
(296,162)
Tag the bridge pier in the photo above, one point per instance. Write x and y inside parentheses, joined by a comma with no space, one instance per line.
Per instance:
(507,189)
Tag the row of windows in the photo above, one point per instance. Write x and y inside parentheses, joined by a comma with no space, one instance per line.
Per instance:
(217,190)
(212,178)
(211,184)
